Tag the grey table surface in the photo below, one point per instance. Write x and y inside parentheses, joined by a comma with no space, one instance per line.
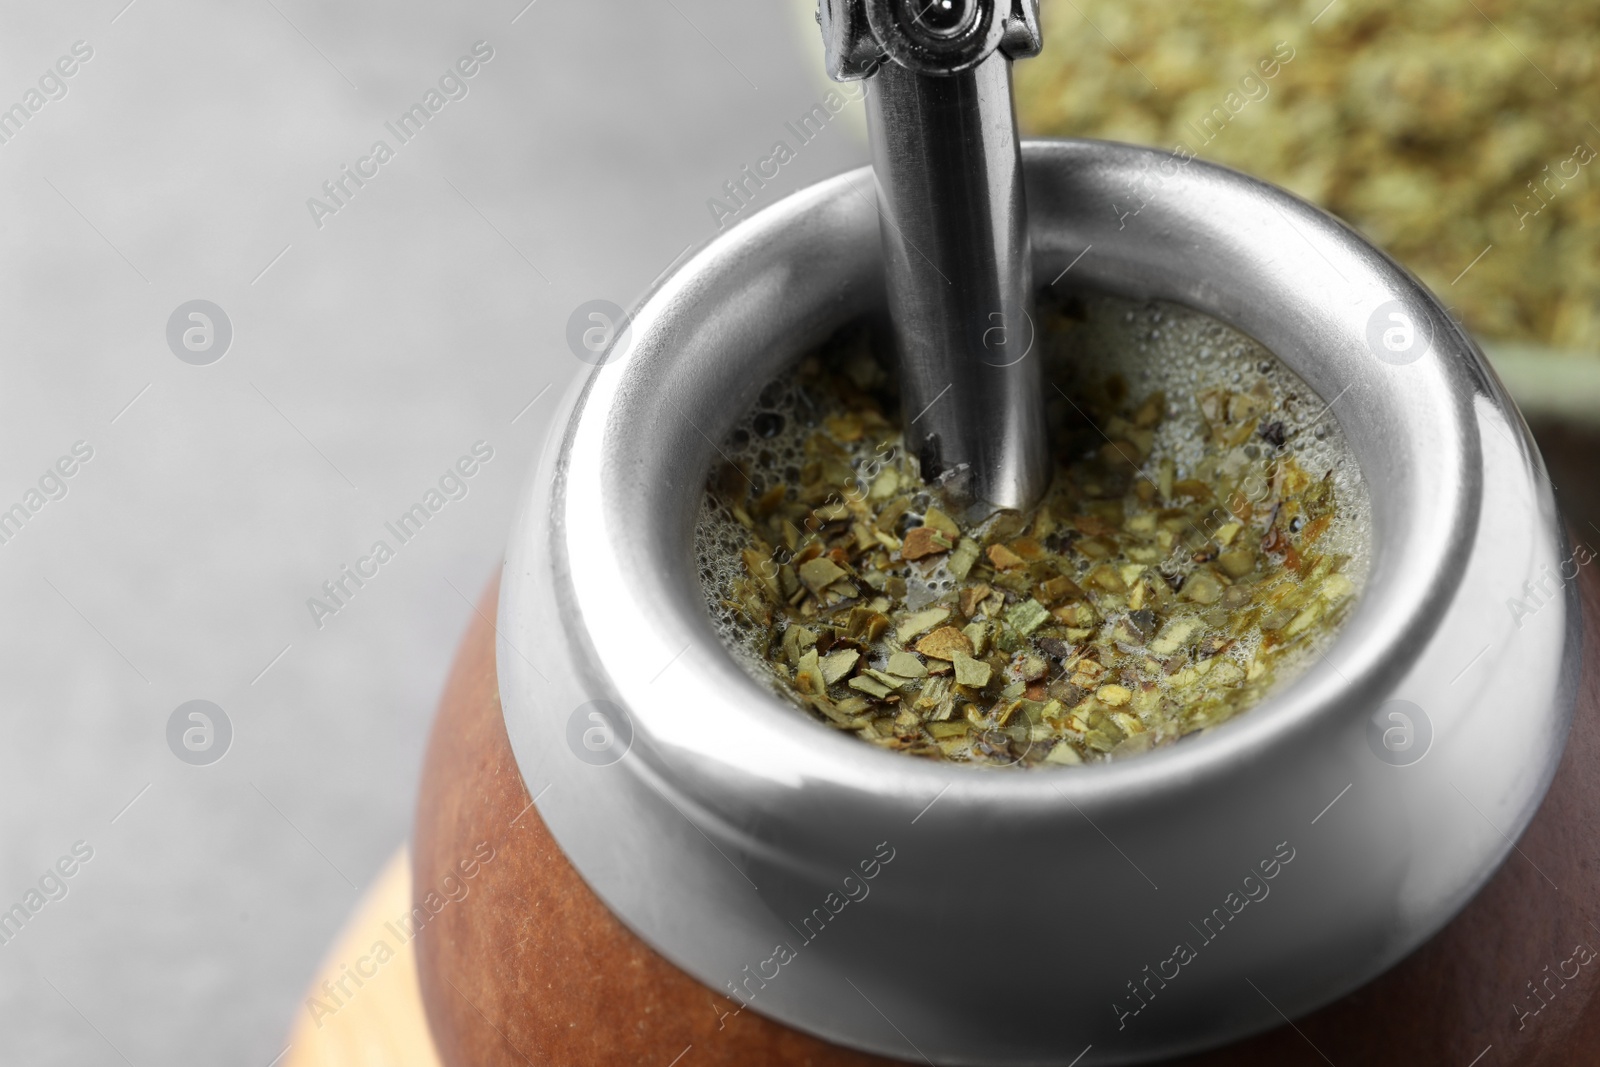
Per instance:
(371,347)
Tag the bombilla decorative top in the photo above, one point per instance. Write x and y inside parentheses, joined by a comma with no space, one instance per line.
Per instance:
(924,36)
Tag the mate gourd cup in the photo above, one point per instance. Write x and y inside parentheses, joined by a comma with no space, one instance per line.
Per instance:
(1118,912)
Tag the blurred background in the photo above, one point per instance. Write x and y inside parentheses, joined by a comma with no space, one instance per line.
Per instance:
(370,316)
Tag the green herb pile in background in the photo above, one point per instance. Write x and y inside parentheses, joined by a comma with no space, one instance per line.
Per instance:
(1439,128)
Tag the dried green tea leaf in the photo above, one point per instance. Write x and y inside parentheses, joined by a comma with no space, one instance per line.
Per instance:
(885,485)
(938,520)
(1060,588)
(1115,695)
(978,634)
(1026,616)
(819,573)
(884,678)
(809,675)
(1238,562)
(906,665)
(836,665)
(796,639)
(971,597)
(971,671)
(850,707)
(870,686)
(1202,587)
(1174,636)
(962,558)
(1064,755)
(919,623)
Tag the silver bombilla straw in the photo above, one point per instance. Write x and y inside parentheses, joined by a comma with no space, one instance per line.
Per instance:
(955,233)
